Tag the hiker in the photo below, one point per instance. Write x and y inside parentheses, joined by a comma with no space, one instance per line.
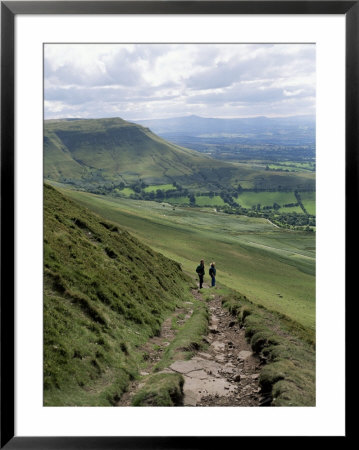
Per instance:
(200,271)
(212,273)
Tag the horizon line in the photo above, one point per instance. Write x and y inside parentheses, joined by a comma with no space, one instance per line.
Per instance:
(182,117)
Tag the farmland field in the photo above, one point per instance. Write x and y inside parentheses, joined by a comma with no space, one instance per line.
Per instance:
(125,192)
(308,199)
(162,187)
(271,266)
(291,209)
(183,200)
(247,199)
(293,166)
(204,200)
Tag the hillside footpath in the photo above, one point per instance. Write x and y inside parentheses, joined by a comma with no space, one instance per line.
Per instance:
(224,373)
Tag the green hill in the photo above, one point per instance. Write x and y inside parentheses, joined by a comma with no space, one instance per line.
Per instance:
(105,294)
(106,152)
(101,150)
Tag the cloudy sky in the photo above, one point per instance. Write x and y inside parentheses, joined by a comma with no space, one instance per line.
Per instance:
(146,81)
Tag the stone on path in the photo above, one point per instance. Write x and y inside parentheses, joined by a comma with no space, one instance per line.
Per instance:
(194,364)
(195,389)
(213,328)
(218,346)
(199,374)
(186,366)
(204,355)
(190,398)
(244,354)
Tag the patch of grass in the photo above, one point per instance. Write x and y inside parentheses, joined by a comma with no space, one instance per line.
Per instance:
(289,350)
(183,200)
(125,191)
(293,166)
(162,389)
(162,187)
(205,200)
(291,209)
(308,200)
(189,337)
(174,324)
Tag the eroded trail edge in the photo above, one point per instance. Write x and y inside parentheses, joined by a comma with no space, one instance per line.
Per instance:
(154,348)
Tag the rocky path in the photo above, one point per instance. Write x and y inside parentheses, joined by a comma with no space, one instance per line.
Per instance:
(226,374)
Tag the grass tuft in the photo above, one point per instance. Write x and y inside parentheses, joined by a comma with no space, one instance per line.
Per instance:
(162,389)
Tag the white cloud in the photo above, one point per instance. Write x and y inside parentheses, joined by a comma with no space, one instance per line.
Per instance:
(137,81)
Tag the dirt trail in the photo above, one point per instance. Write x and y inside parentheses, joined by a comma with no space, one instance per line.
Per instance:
(226,374)
(154,348)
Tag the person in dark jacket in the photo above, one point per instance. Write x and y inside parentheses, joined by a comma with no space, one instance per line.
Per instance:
(212,273)
(200,271)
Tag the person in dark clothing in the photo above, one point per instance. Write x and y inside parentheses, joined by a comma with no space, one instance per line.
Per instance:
(200,271)
(212,273)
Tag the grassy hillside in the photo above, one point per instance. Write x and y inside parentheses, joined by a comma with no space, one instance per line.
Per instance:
(102,153)
(114,150)
(105,293)
(271,266)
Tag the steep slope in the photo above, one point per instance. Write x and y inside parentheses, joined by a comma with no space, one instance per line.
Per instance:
(105,294)
(101,150)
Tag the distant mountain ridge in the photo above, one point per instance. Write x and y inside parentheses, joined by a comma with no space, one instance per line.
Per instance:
(239,139)
(197,125)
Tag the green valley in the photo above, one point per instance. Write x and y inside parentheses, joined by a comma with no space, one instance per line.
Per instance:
(271,266)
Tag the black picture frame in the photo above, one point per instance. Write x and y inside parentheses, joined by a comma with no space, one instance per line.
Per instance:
(9,9)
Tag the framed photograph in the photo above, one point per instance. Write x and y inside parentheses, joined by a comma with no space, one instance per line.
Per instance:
(176,182)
